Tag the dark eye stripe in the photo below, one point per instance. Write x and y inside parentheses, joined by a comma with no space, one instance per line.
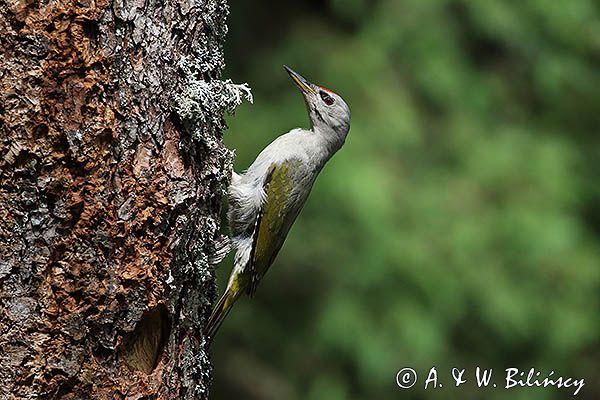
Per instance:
(327,99)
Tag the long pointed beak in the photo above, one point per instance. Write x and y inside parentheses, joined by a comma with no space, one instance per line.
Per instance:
(299,80)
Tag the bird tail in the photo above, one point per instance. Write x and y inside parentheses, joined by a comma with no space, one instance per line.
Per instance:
(219,313)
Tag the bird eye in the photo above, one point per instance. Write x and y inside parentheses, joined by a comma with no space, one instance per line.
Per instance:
(327,99)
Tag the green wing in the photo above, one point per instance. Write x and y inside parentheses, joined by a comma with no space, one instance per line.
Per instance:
(274,220)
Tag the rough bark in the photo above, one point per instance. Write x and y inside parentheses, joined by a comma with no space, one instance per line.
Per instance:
(110,192)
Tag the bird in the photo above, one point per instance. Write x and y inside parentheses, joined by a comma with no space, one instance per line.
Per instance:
(265,200)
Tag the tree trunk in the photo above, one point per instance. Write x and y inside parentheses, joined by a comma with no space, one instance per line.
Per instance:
(112,171)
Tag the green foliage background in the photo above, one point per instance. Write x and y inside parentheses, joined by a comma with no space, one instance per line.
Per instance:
(460,224)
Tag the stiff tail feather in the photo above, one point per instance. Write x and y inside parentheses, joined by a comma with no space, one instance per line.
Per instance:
(219,313)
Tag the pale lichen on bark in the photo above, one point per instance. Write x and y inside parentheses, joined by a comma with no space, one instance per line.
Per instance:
(109,198)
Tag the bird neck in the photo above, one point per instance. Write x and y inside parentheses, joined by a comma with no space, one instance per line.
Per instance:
(331,138)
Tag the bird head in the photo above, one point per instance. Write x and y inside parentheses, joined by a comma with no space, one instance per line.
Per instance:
(328,112)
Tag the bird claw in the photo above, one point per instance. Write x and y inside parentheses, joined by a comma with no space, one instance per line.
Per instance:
(221,248)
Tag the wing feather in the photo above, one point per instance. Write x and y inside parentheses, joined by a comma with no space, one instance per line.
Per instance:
(273,222)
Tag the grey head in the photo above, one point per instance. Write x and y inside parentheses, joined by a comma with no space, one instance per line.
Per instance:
(328,112)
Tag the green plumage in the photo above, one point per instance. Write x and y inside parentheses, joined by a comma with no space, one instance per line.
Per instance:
(272,225)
